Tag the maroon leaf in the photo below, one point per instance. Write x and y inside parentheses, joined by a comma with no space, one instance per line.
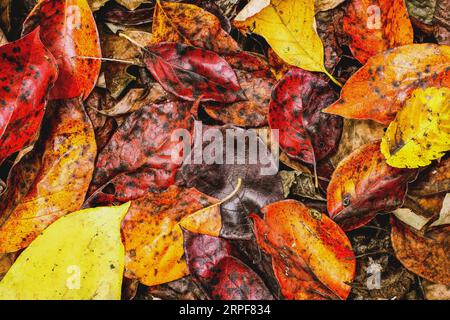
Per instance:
(306,133)
(28,71)
(219,273)
(138,157)
(190,72)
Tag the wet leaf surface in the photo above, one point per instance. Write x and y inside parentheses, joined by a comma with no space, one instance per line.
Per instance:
(145,162)
(312,257)
(68,30)
(378,90)
(306,133)
(191,73)
(50,181)
(28,71)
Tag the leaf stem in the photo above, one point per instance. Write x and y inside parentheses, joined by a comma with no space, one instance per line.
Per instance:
(332,78)
(236,189)
(123,35)
(106,59)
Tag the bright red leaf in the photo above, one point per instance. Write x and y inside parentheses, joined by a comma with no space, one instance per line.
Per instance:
(69,31)
(28,71)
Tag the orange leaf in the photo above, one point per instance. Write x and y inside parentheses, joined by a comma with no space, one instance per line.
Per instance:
(50,181)
(312,257)
(152,235)
(375,26)
(191,25)
(363,184)
(378,90)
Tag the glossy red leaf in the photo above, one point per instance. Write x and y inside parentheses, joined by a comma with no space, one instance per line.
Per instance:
(138,157)
(305,132)
(28,71)
(189,73)
(363,184)
(219,272)
(69,31)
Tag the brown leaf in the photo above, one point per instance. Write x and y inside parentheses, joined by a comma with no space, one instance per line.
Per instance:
(434,179)
(427,256)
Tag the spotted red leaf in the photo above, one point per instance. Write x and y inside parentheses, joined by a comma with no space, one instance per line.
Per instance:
(69,31)
(189,72)
(138,157)
(28,71)
(219,272)
(305,133)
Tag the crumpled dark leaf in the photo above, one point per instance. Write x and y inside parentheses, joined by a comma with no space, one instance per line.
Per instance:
(219,272)
(261,183)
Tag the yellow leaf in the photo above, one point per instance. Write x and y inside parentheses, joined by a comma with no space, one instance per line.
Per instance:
(421,130)
(80,256)
(289,28)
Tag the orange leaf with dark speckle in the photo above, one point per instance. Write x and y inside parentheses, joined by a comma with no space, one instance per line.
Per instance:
(363,184)
(153,237)
(378,90)
(312,257)
(375,26)
(50,181)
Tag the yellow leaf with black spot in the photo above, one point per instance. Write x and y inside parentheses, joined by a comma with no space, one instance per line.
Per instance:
(421,130)
(289,28)
(80,257)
